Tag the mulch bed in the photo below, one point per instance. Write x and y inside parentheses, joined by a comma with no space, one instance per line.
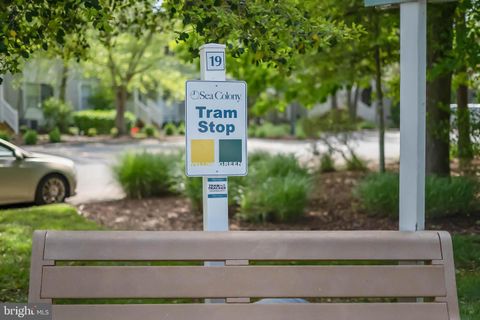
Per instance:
(331,207)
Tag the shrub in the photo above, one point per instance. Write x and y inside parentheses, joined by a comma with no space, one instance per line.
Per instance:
(5,135)
(366,125)
(276,189)
(149,130)
(276,199)
(101,120)
(354,163)
(55,136)
(379,194)
(327,164)
(170,129)
(92,132)
(114,132)
(271,131)
(194,191)
(57,114)
(181,128)
(30,137)
(102,98)
(73,131)
(146,175)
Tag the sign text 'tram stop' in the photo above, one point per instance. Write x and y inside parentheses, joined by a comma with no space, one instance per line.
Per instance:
(216,128)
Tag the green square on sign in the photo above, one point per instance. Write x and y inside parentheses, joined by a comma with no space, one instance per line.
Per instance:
(230,150)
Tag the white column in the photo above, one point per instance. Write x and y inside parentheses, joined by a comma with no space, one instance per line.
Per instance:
(215,209)
(413,39)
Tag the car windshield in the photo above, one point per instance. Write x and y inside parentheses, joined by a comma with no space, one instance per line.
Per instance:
(12,147)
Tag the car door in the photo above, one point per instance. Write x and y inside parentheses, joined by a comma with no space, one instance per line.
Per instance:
(15,178)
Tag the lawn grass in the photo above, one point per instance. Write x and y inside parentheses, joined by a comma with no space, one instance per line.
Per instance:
(16,228)
(17,225)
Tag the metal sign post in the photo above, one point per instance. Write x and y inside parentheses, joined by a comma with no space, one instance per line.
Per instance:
(413,53)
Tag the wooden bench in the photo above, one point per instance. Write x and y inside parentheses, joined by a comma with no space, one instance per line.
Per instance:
(421,287)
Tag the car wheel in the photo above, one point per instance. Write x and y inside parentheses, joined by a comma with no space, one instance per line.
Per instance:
(51,189)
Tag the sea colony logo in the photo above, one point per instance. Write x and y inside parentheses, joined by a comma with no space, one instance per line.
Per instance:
(217,187)
(218,95)
(25,311)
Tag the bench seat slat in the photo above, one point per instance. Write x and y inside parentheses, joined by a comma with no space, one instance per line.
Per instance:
(334,311)
(242,245)
(243,281)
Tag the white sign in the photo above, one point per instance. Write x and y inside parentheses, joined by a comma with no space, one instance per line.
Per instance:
(215,60)
(216,128)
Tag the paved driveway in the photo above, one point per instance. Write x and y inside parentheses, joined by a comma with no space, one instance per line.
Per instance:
(94,160)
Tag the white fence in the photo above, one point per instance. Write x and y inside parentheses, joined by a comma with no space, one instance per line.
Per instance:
(7,113)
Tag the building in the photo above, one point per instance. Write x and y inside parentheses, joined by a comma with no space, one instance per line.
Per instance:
(22,95)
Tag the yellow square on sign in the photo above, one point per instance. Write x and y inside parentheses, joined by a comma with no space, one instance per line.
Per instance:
(202,151)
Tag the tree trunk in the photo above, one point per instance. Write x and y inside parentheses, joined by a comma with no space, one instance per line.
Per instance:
(121,105)
(355,101)
(334,104)
(350,104)
(380,111)
(440,38)
(465,152)
(63,81)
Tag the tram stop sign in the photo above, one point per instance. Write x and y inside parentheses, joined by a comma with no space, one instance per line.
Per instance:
(216,128)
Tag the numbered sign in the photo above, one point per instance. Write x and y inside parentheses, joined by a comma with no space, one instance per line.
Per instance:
(215,61)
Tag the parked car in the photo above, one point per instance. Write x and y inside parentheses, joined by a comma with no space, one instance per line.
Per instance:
(34,177)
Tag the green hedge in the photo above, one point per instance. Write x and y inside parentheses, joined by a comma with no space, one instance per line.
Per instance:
(102,120)
(379,194)
(145,174)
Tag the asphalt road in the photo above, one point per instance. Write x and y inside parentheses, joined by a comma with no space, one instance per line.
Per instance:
(94,160)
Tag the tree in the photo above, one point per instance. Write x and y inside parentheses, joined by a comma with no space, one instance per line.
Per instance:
(467,56)
(29,26)
(130,47)
(439,81)
(273,31)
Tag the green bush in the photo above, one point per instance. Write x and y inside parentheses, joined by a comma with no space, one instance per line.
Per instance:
(276,189)
(114,132)
(55,136)
(194,191)
(181,128)
(92,132)
(102,98)
(327,163)
(30,137)
(149,130)
(101,120)
(170,129)
(272,131)
(57,114)
(73,131)
(144,175)
(366,125)
(379,194)
(5,135)
(354,163)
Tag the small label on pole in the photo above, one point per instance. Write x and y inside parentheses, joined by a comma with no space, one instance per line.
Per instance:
(215,60)
(216,128)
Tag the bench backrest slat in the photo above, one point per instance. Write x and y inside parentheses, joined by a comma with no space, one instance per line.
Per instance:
(251,281)
(333,311)
(258,245)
